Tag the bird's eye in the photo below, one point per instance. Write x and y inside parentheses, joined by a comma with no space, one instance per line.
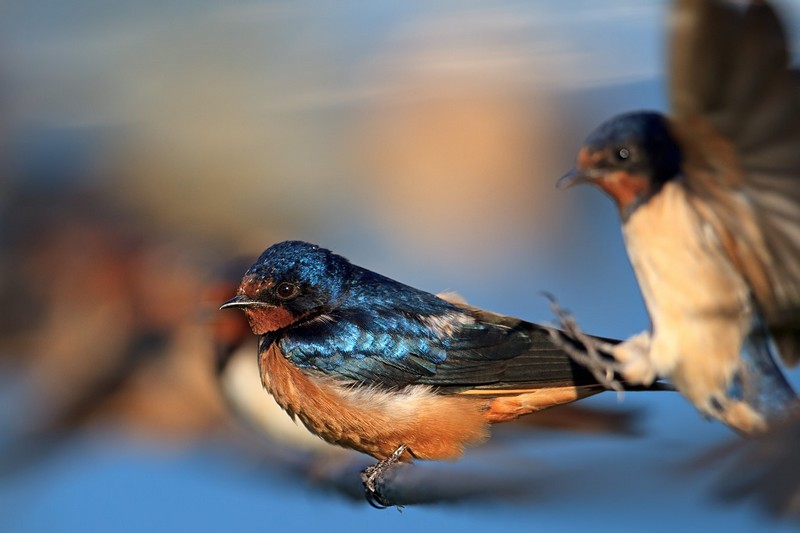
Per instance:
(622,154)
(286,291)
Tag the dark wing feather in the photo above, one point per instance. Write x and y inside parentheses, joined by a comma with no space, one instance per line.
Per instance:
(736,109)
(516,355)
(460,350)
(730,65)
(703,33)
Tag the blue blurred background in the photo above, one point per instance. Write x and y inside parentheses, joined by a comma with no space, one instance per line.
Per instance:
(146,146)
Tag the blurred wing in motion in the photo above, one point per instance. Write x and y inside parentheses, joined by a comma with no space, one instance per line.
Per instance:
(765,469)
(736,109)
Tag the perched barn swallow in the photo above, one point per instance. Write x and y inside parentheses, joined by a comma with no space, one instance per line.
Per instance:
(371,364)
(709,199)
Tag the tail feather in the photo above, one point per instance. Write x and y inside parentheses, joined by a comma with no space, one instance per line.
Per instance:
(758,394)
(763,384)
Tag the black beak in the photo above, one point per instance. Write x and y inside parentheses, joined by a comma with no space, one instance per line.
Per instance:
(575,176)
(242,302)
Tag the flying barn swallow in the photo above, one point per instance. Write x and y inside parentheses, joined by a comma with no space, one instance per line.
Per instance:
(371,364)
(709,199)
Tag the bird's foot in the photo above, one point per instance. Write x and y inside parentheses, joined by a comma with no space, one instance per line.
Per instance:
(590,352)
(372,476)
(633,360)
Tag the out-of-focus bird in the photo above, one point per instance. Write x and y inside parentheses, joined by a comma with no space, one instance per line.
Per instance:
(372,364)
(709,198)
(108,346)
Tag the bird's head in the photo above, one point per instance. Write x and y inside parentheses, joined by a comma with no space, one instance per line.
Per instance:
(291,281)
(630,157)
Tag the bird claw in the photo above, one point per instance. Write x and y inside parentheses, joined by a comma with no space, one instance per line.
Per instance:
(584,349)
(372,476)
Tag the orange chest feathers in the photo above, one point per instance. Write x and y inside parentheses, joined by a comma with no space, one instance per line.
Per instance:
(374,421)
